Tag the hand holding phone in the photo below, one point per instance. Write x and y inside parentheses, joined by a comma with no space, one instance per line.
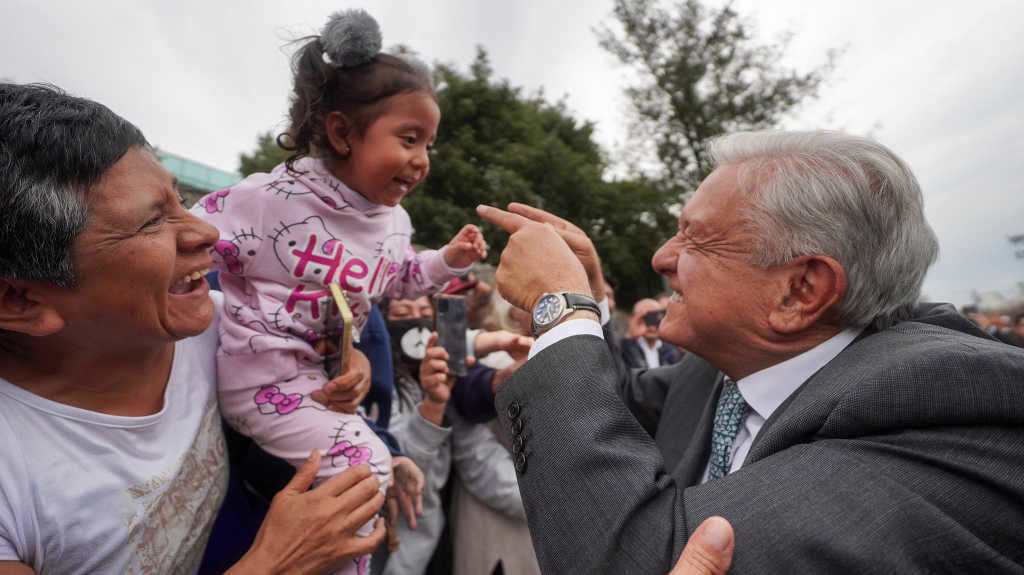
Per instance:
(653,318)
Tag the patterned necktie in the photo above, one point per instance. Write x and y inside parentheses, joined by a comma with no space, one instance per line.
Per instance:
(728,418)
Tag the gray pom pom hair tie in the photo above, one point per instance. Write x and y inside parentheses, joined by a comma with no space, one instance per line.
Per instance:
(350,38)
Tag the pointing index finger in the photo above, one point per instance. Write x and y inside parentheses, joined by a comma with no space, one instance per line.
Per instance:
(505,220)
(537,215)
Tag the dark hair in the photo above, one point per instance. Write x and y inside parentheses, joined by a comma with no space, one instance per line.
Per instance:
(407,382)
(360,92)
(53,148)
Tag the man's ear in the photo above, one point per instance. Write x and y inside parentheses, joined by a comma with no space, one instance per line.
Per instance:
(338,128)
(24,308)
(813,286)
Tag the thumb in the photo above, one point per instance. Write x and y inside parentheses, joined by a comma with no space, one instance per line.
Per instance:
(709,550)
(305,475)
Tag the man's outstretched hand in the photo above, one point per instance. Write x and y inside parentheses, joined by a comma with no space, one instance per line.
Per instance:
(575,238)
(535,261)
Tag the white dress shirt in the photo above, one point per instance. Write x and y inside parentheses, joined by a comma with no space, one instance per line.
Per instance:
(764,391)
(651,355)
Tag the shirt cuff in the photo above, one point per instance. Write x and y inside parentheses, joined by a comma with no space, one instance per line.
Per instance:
(454,272)
(566,330)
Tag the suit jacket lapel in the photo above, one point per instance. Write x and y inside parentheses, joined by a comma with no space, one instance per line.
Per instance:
(802,414)
(694,458)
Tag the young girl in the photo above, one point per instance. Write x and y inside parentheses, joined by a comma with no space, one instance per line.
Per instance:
(362,125)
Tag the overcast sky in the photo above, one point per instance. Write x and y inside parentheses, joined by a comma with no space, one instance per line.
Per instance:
(941,83)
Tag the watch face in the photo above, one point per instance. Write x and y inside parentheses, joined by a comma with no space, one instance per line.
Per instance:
(548,309)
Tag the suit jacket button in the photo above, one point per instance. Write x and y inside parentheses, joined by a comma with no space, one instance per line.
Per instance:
(513,410)
(517,427)
(517,444)
(521,463)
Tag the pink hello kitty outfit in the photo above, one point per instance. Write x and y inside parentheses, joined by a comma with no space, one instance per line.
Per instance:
(285,236)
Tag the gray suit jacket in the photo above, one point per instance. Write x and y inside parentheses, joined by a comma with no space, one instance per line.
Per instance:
(905,454)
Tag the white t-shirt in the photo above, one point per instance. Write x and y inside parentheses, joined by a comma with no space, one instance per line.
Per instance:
(87,492)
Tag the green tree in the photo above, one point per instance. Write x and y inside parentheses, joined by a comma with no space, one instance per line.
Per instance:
(263,159)
(496,145)
(702,74)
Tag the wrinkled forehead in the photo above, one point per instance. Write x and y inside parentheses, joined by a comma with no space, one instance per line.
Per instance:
(136,176)
(133,186)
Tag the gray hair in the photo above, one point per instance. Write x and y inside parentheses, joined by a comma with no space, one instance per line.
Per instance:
(53,148)
(843,196)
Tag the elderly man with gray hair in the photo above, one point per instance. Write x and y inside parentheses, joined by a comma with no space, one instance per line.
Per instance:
(835,422)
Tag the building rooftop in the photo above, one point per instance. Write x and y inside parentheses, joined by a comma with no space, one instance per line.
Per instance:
(197,175)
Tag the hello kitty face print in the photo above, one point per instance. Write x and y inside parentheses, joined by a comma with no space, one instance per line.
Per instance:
(236,253)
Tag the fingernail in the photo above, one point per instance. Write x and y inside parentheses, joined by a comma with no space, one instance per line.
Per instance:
(313,454)
(716,533)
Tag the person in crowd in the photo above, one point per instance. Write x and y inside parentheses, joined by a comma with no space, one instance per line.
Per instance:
(646,349)
(978,318)
(422,421)
(114,459)
(619,321)
(609,294)
(836,423)
(417,420)
(999,327)
(488,522)
(1010,329)
(362,125)
(1018,328)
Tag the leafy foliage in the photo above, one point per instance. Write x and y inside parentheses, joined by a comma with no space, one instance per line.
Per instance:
(263,159)
(496,145)
(702,74)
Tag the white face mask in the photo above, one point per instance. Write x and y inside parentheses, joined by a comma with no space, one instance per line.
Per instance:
(411,337)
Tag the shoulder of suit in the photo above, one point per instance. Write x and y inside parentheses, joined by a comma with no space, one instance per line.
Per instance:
(926,356)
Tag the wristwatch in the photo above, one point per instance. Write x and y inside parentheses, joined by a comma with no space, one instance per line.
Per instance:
(552,307)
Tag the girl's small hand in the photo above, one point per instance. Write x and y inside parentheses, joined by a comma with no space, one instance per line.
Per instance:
(466,247)
(405,491)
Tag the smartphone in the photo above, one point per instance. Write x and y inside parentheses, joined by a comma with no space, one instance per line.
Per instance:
(450,325)
(653,318)
(337,363)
